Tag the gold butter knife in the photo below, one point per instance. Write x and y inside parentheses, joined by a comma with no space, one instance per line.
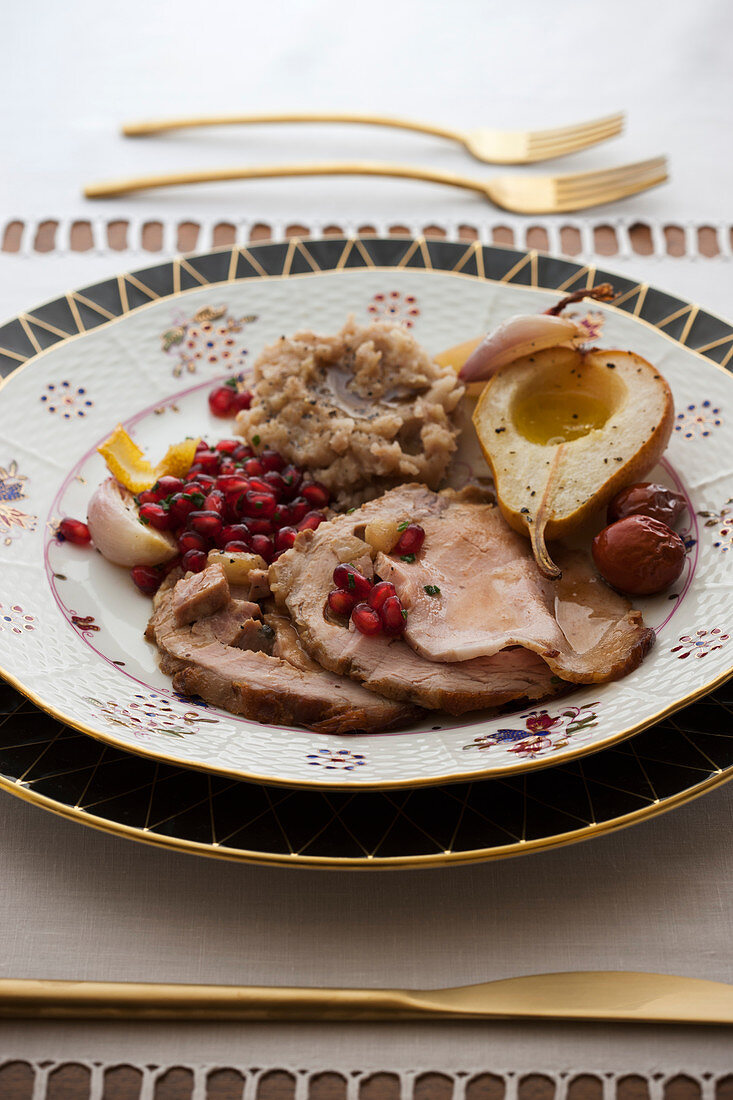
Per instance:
(581,995)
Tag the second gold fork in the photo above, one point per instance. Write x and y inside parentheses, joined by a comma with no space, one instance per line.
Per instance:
(488,146)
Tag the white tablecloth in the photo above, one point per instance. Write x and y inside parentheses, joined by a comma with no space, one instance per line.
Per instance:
(78,904)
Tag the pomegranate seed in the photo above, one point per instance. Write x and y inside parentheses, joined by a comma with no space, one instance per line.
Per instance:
(233,532)
(191,540)
(181,505)
(263,546)
(340,602)
(259,485)
(366,619)
(166,486)
(394,620)
(221,401)
(195,486)
(242,400)
(242,453)
(146,578)
(232,483)
(227,446)
(208,523)
(259,504)
(299,509)
(349,579)
(214,501)
(316,494)
(271,460)
(147,497)
(275,483)
(285,538)
(236,546)
(205,482)
(193,561)
(310,521)
(154,515)
(281,516)
(209,462)
(410,540)
(379,593)
(226,466)
(202,445)
(193,470)
(73,530)
(253,467)
(292,478)
(259,526)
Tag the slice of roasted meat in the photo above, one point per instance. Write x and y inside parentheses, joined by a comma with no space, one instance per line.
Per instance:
(495,631)
(487,593)
(236,660)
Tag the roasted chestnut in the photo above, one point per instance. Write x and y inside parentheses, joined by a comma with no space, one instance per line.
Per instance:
(639,555)
(647,499)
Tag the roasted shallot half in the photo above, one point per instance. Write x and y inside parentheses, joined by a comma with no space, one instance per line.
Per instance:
(526,334)
(117,532)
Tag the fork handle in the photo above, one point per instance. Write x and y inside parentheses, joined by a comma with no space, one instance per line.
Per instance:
(112,188)
(159,126)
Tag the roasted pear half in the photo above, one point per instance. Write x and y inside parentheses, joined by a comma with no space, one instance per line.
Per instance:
(563,430)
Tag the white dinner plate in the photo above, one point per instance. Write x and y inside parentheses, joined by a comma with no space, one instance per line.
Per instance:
(71,624)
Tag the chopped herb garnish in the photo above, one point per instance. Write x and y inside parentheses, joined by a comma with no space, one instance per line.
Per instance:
(432,589)
(404,525)
(145,522)
(349,511)
(195,498)
(231,383)
(256,440)
(350,580)
(403,613)
(409,558)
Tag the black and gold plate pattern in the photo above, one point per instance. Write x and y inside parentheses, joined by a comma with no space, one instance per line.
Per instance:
(78,777)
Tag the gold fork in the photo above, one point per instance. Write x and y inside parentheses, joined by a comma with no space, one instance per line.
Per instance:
(521,194)
(489,146)
(589,995)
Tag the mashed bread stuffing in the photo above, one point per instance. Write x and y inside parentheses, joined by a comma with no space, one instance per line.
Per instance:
(363,410)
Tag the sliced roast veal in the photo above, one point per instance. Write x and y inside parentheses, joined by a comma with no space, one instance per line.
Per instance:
(204,659)
(301,580)
(474,589)
(484,660)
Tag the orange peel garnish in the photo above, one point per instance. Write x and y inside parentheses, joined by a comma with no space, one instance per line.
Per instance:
(128,464)
(178,459)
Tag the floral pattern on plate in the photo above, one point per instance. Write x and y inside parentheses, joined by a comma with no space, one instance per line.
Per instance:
(12,489)
(541,732)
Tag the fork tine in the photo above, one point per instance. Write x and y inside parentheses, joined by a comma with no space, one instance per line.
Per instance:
(576,181)
(568,145)
(613,194)
(577,141)
(615,121)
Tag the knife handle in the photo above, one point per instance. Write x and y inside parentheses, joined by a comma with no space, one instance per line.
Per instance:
(30,998)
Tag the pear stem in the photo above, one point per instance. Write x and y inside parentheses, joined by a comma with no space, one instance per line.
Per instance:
(545,563)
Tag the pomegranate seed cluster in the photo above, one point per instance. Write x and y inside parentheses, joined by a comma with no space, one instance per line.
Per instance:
(231,499)
(373,607)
